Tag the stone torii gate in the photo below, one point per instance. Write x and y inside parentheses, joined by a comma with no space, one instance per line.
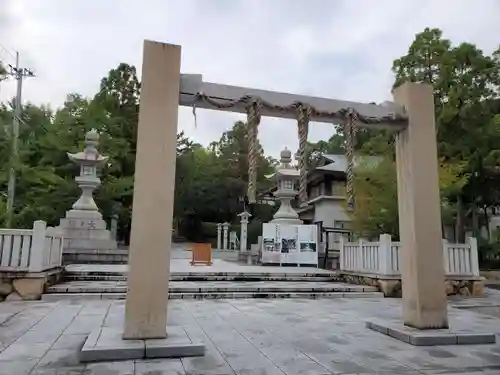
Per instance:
(164,88)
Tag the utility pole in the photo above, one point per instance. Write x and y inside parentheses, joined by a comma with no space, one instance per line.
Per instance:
(18,73)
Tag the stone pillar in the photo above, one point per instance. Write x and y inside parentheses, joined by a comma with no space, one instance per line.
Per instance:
(219,239)
(244,231)
(117,206)
(114,226)
(151,232)
(422,273)
(225,235)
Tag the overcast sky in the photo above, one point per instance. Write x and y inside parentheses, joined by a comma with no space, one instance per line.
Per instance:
(332,48)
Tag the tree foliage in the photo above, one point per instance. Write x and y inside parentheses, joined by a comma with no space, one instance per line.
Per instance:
(376,206)
(209,181)
(466,85)
(3,71)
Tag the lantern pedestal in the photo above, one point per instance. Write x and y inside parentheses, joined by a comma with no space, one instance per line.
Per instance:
(287,221)
(285,214)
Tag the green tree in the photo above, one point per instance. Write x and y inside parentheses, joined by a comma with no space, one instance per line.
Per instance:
(376,207)
(46,187)
(375,210)
(114,111)
(209,181)
(3,71)
(466,89)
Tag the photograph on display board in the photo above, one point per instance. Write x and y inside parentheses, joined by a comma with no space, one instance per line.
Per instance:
(277,246)
(307,247)
(288,245)
(268,244)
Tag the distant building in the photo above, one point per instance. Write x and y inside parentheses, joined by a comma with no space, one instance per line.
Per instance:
(326,190)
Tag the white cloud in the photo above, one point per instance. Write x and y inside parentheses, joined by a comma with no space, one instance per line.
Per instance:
(339,49)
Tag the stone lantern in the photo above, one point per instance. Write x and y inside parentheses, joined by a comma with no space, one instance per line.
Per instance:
(88,160)
(286,178)
(225,235)
(86,238)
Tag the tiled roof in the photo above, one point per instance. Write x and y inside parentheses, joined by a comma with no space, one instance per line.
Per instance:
(338,162)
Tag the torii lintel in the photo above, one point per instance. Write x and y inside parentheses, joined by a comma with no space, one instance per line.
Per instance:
(387,115)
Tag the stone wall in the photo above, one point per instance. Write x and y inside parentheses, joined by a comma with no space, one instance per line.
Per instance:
(391,287)
(491,275)
(15,286)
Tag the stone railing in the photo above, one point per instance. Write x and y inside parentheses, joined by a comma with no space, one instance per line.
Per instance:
(365,262)
(30,250)
(382,257)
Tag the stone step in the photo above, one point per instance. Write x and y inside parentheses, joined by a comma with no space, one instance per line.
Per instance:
(215,287)
(217,295)
(203,277)
(120,270)
(219,267)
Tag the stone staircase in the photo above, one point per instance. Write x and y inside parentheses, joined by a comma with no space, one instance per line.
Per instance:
(110,283)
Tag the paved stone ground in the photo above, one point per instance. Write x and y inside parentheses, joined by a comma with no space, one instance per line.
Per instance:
(305,337)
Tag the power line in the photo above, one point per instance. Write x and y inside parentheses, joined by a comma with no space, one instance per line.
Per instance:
(2,47)
(19,74)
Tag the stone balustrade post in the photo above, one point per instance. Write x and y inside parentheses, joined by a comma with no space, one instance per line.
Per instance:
(219,235)
(37,256)
(384,255)
(359,256)
(474,259)
(341,253)
(225,235)
(446,257)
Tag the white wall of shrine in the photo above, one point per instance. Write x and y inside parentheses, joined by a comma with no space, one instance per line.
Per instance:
(329,211)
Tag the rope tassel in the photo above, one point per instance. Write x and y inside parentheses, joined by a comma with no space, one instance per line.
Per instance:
(303,116)
(350,131)
(253,121)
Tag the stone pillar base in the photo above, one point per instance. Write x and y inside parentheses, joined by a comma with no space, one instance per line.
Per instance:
(392,287)
(106,344)
(465,335)
(85,231)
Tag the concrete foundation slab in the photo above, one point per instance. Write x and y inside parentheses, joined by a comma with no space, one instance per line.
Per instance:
(429,337)
(107,344)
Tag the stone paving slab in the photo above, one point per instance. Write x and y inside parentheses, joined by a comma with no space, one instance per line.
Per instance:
(245,336)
